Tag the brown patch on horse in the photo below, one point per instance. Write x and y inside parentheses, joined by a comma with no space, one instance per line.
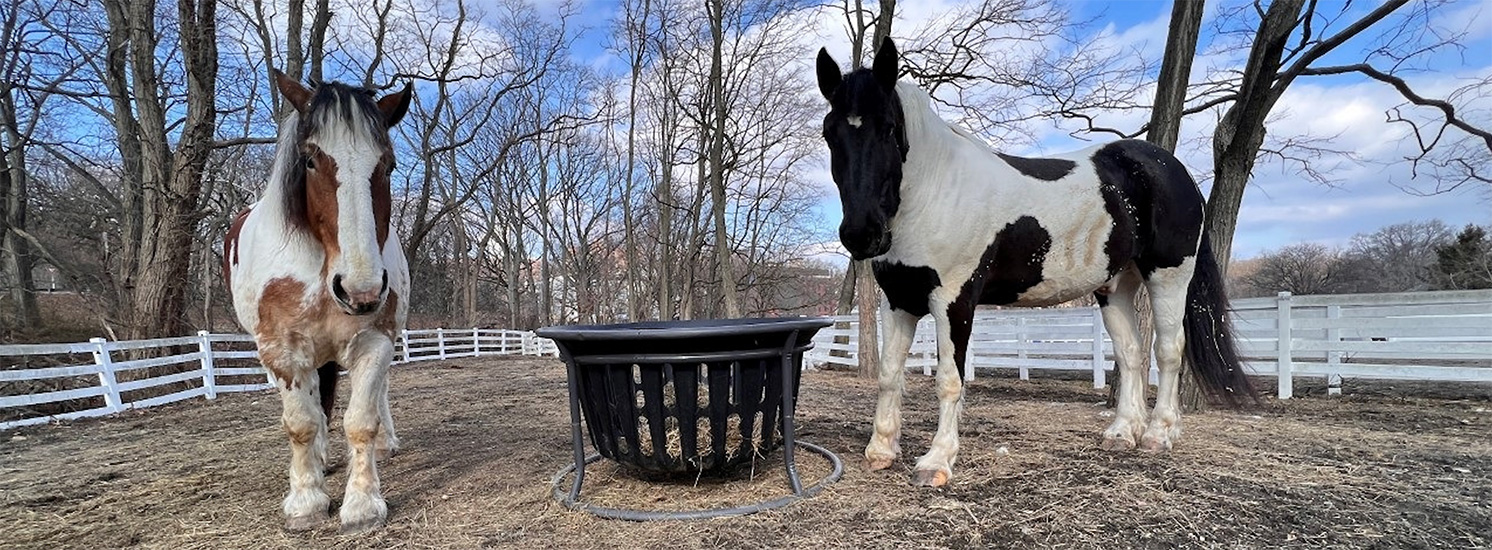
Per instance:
(281,306)
(230,246)
(321,202)
(388,317)
(382,199)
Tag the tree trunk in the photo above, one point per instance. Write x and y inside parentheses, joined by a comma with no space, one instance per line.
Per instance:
(170,183)
(883,23)
(636,51)
(665,242)
(1175,73)
(868,300)
(15,252)
(725,268)
(1164,130)
(295,51)
(1240,133)
(319,23)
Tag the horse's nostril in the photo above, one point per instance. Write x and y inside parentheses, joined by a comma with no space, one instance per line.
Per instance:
(337,290)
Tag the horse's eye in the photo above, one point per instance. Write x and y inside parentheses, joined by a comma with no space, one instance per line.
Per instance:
(310,163)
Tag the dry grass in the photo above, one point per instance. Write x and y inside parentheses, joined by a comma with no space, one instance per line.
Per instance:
(1377,470)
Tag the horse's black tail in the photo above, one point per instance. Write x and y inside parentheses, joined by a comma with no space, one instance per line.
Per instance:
(1210,346)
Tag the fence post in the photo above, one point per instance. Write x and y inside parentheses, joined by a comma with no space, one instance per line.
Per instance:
(1333,358)
(404,336)
(106,374)
(1283,365)
(209,380)
(1020,346)
(1098,377)
(440,342)
(476,342)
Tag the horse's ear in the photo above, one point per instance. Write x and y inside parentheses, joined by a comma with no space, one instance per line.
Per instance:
(885,67)
(292,90)
(393,106)
(829,75)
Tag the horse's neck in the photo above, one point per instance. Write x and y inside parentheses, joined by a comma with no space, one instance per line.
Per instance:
(942,154)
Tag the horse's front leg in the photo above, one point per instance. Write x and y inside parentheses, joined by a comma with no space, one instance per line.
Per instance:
(368,356)
(954,323)
(884,448)
(306,504)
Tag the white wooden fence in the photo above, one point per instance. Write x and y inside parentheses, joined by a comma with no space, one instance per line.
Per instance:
(207,356)
(1437,336)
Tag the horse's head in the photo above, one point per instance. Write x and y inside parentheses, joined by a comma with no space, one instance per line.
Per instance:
(866,133)
(338,188)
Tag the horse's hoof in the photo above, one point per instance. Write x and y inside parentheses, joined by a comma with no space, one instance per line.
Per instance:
(305,523)
(877,464)
(362,512)
(385,453)
(1116,443)
(929,478)
(1156,444)
(361,526)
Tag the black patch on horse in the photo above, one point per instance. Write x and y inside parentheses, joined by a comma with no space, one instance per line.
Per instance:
(907,287)
(1155,205)
(1010,265)
(1042,169)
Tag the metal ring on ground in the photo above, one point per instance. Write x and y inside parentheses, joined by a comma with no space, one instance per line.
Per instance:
(647,515)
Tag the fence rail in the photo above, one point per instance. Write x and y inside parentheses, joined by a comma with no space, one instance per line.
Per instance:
(203,355)
(1432,336)
(1436,336)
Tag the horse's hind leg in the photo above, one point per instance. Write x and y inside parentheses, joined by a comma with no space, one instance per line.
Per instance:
(1168,300)
(387,444)
(367,356)
(884,447)
(1119,318)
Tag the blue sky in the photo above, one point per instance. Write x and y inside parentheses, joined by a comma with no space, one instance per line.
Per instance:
(1280,207)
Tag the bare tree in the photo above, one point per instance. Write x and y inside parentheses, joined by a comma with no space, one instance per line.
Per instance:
(1396,258)
(1291,40)
(1305,268)
(725,264)
(164,182)
(18,33)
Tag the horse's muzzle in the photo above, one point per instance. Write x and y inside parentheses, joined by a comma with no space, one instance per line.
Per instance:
(863,243)
(358,302)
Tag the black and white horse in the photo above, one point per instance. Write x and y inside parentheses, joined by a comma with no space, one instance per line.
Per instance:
(950,224)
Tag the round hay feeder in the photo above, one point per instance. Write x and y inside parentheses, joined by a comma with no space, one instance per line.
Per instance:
(686,396)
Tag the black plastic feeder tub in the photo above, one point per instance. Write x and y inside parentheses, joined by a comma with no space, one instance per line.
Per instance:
(685,396)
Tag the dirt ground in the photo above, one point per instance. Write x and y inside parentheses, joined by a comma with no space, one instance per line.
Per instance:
(482,438)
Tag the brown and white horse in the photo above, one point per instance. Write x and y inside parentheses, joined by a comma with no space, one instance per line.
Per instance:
(320,279)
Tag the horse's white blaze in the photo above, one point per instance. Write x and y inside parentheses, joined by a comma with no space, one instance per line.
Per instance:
(350,144)
(854,121)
